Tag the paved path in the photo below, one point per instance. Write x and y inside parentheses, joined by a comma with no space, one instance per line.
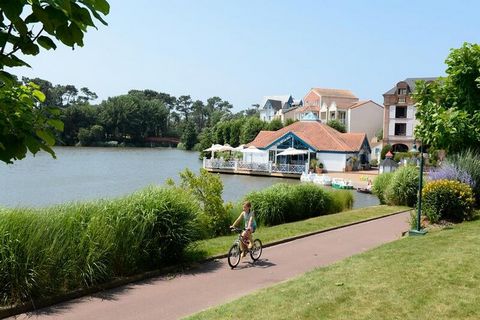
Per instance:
(214,282)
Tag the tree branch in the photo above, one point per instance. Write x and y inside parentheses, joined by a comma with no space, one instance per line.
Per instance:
(15,48)
(8,36)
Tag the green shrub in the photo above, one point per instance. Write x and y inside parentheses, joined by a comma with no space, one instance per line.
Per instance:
(447,199)
(207,188)
(282,203)
(403,188)
(374,163)
(58,249)
(385,150)
(380,184)
(402,155)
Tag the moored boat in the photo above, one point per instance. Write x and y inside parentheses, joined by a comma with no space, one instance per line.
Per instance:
(339,183)
(323,179)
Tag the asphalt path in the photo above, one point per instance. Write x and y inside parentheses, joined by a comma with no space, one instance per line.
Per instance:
(213,283)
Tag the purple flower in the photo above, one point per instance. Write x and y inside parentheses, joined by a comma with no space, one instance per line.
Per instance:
(451,172)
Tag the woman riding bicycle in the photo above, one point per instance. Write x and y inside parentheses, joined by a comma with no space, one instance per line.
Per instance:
(250,226)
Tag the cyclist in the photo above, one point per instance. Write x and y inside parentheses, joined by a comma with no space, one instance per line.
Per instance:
(250,226)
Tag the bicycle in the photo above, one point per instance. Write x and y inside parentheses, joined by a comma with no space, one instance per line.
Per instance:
(235,251)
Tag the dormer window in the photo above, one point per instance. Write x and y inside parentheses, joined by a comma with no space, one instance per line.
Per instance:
(402,91)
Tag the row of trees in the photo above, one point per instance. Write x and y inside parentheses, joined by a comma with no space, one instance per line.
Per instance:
(132,117)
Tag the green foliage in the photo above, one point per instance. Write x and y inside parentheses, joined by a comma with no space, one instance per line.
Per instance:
(274,125)
(189,136)
(402,155)
(251,127)
(403,188)
(25,27)
(289,122)
(447,199)
(340,200)
(337,125)
(313,163)
(23,126)
(54,250)
(282,203)
(379,134)
(385,150)
(207,188)
(469,161)
(374,163)
(91,136)
(448,108)
(380,185)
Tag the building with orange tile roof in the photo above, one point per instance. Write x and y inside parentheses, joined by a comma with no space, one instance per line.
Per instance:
(337,151)
(343,106)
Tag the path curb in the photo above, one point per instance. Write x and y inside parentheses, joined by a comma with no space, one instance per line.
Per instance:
(46,302)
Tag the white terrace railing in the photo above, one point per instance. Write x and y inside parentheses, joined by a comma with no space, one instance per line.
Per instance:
(239,165)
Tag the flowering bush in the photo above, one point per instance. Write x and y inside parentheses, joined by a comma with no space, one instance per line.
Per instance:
(449,171)
(447,199)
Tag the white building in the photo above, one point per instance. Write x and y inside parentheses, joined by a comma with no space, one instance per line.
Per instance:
(399,116)
(337,151)
(277,107)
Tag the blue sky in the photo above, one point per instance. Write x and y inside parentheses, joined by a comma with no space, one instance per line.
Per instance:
(243,50)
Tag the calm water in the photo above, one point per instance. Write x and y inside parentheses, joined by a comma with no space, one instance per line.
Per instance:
(91,173)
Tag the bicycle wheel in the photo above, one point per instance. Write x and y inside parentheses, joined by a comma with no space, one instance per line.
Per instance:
(234,255)
(256,250)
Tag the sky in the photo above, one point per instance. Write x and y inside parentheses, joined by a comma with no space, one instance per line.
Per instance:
(244,50)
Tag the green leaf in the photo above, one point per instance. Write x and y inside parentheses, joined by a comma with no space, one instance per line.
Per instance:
(46,136)
(46,42)
(39,95)
(6,77)
(63,34)
(57,124)
(12,9)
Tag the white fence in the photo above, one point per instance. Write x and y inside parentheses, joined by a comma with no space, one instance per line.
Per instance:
(239,165)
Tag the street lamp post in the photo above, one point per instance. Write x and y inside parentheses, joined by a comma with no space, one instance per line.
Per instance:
(418,231)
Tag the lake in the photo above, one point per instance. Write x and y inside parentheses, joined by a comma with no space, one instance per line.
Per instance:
(93,173)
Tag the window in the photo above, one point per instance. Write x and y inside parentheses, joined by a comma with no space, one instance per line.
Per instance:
(332,115)
(401,100)
(323,116)
(400,129)
(402,91)
(400,112)
(342,117)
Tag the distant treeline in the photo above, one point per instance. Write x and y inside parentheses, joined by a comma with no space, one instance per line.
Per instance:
(131,118)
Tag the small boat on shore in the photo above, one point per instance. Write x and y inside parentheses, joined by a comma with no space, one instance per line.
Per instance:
(339,183)
(364,190)
(321,179)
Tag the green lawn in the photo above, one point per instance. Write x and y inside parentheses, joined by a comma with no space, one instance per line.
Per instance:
(432,277)
(220,245)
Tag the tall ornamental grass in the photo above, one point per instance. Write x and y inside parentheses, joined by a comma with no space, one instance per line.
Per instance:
(403,187)
(469,162)
(380,184)
(54,250)
(283,203)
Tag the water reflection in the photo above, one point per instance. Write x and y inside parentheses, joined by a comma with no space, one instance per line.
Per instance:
(92,173)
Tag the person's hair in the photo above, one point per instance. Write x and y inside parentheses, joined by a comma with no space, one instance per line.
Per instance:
(248,204)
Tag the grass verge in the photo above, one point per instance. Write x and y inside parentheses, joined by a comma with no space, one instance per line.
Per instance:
(217,246)
(432,277)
